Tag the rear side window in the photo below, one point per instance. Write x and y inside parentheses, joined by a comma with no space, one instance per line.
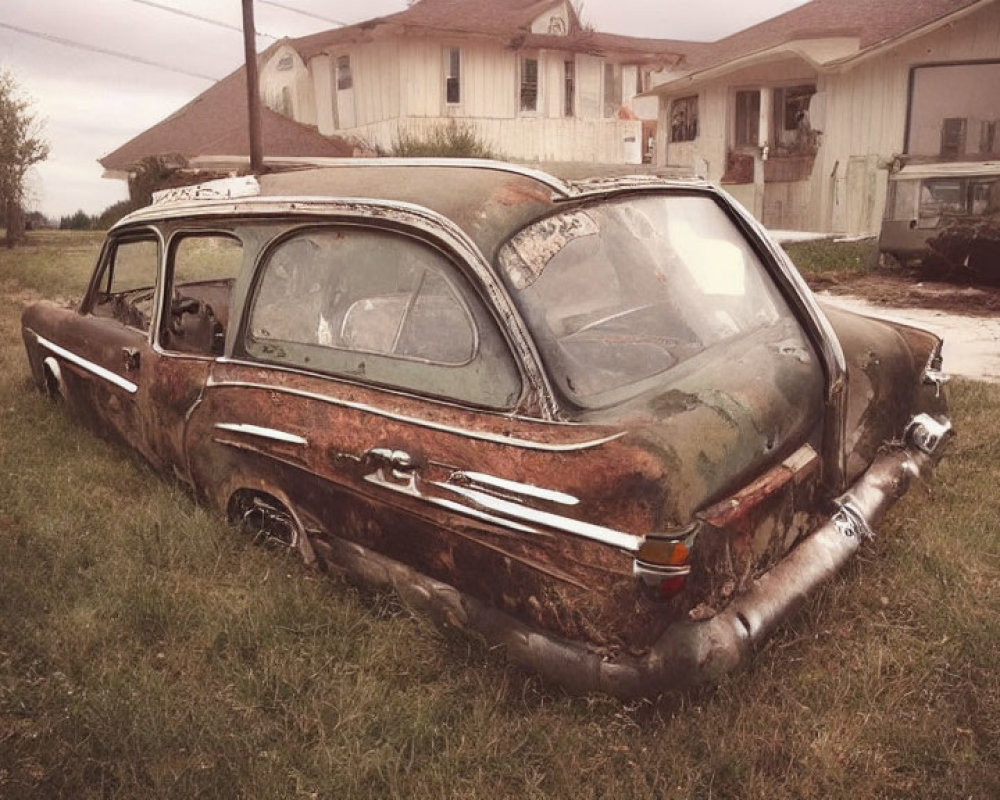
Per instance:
(201,271)
(382,306)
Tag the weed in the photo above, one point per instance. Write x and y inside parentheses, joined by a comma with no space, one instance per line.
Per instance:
(453,140)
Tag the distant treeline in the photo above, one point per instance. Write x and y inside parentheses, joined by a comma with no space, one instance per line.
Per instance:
(82,221)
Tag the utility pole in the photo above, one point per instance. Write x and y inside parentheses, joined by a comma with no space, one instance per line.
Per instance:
(253,95)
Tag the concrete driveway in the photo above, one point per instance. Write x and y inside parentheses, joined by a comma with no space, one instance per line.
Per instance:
(971,344)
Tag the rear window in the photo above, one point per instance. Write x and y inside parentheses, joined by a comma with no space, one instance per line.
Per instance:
(622,292)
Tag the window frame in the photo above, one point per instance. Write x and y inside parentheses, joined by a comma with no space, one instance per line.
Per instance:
(464,284)
(689,136)
(343,78)
(569,87)
(452,68)
(611,101)
(176,237)
(751,126)
(104,274)
(524,87)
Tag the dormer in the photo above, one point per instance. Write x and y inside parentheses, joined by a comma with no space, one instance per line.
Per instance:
(558,19)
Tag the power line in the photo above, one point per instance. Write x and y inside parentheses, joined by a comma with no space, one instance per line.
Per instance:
(300,11)
(104,51)
(208,20)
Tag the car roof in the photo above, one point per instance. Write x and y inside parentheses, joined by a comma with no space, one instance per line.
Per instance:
(488,200)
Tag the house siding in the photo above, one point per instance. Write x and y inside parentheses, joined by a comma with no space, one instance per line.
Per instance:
(863,126)
(399,90)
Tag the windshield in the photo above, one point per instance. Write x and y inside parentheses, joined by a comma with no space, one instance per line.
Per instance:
(627,289)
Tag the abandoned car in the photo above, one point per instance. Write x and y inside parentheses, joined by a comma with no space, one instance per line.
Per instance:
(603,423)
(946,216)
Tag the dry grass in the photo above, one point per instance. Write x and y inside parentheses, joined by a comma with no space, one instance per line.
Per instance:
(146,651)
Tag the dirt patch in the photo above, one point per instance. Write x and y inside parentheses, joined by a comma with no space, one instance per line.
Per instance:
(906,290)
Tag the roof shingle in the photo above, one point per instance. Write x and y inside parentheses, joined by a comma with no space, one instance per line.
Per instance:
(215,124)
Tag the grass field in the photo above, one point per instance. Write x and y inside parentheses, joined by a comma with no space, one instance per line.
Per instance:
(146,651)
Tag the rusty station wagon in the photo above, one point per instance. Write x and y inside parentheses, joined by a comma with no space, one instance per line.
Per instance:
(602,423)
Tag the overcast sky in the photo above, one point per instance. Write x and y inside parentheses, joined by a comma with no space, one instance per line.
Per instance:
(93,102)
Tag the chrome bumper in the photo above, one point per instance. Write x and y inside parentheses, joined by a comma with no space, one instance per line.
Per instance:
(688,653)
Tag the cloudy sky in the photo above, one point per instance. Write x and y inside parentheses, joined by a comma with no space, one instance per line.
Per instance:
(62,53)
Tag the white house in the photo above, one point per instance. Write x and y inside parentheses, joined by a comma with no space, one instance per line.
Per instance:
(531,81)
(803,116)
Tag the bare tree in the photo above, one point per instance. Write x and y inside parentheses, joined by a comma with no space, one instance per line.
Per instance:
(21,147)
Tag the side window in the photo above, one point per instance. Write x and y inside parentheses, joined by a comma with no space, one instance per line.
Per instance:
(201,270)
(128,278)
(381,306)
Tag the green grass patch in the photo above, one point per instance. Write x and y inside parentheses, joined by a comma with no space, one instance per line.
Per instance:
(827,260)
(146,651)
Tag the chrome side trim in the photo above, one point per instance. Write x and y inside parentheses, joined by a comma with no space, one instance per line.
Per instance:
(515,487)
(597,533)
(451,505)
(434,426)
(53,367)
(264,433)
(89,366)
(408,487)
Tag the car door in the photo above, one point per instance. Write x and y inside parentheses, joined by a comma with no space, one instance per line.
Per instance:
(103,351)
(372,391)
(201,267)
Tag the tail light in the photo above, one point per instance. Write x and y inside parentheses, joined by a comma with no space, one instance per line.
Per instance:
(663,561)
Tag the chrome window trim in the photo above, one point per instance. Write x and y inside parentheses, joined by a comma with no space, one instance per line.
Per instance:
(510,441)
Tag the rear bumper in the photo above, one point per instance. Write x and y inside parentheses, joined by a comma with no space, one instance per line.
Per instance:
(688,653)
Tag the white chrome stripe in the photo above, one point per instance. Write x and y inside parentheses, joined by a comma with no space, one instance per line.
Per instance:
(515,487)
(264,433)
(598,533)
(436,426)
(410,490)
(472,512)
(90,366)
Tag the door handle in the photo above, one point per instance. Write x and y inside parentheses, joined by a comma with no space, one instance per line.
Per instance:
(130,358)
(397,460)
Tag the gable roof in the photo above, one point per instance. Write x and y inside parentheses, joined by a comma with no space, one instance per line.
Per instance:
(506,20)
(215,124)
(872,22)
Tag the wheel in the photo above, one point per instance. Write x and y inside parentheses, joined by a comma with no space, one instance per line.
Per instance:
(265,521)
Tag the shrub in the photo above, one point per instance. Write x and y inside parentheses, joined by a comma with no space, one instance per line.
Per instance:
(449,141)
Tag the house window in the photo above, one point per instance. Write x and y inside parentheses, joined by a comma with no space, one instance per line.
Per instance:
(569,88)
(453,76)
(953,110)
(791,106)
(684,119)
(529,84)
(791,130)
(344,79)
(989,137)
(286,109)
(953,137)
(285,63)
(747,118)
(612,89)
